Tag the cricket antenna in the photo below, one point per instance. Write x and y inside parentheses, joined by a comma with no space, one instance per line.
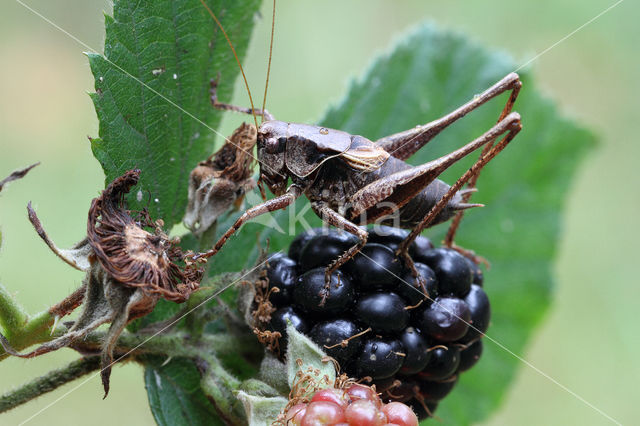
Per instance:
(266,85)
(253,111)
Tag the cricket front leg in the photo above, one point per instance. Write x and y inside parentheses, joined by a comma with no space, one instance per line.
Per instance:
(278,203)
(513,127)
(213,91)
(404,144)
(334,219)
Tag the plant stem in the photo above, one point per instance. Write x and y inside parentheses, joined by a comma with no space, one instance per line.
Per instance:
(218,384)
(12,315)
(170,344)
(20,329)
(49,382)
(216,380)
(36,330)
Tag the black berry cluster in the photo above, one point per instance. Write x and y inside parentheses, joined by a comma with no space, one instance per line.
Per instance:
(411,337)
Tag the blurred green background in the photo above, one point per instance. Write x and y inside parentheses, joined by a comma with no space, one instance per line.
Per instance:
(588,342)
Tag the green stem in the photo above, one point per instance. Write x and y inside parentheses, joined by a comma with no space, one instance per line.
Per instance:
(217,383)
(219,386)
(49,382)
(171,344)
(12,315)
(36,330)
(22,330)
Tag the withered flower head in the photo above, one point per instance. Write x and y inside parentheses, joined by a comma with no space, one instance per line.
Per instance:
(218,184)
(129,262)
(133,255)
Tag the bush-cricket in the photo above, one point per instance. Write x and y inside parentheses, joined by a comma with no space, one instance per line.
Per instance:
(351,180)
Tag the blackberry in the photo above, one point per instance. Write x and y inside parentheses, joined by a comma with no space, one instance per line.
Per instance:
(279,323)
(446,319)
(435,391)
(443,363)
(480,313)
(374,267)
(313,296)
(281,272)
(476,272)
(423,409)
(416,349)
(375,320)
(387,236)
(323,248)
(383,384)
(452,269)
(419,246)
(383,312)
(470,356)
(301,240)
(401,391)
(380,358)
(336,338)
(412,291)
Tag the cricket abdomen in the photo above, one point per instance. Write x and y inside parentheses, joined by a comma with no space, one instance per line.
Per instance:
(395,200)
(411,204)
(415,210)
(399,205)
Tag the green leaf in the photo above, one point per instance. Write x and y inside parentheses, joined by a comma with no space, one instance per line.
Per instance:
(152,92)
(175,396)
(274,373)
(429,73)
(261,411)
(303,356)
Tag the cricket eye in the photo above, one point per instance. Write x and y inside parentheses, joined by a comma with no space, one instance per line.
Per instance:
(271,145)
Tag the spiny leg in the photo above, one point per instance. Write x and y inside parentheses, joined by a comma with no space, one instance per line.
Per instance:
(471,185)
(334,219)
(400,187)
(213,91)
(513,126)
(404,144)
(278,203)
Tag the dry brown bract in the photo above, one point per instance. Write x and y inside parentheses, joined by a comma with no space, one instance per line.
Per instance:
(18,174)
(131,254)
(129,268)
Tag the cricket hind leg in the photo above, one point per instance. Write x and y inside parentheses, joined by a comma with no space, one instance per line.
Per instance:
(397,189)
(394,191)
(213,92)
(404,144)
(471,188)
(513,126)
(333,218)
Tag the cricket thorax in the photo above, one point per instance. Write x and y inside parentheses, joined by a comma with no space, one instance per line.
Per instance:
(334,185)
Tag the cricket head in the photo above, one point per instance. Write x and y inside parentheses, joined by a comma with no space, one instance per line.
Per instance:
(272,142)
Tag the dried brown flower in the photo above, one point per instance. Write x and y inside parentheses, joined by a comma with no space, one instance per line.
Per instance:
(130,264)
(133,255)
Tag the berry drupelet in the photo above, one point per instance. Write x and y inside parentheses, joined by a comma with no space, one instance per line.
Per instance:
(411,336)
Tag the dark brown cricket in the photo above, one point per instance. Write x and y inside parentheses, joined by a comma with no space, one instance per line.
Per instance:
(352,181)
